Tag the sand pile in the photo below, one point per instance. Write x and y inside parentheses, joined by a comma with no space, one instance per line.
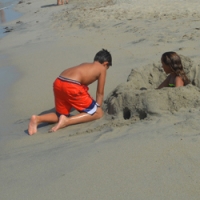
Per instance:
(138,96)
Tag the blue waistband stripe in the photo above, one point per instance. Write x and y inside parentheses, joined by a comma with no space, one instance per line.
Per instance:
(68,80)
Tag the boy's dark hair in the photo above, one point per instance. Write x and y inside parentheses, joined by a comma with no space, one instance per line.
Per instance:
(103,56)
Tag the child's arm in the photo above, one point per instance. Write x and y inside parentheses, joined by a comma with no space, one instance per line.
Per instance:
(179,82)
(165,83)
(100,87)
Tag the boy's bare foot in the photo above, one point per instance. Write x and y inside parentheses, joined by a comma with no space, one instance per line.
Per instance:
(61,123)
(32,127)
(60,2)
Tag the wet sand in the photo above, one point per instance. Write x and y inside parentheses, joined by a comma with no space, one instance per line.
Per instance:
(151,152)
(7,14)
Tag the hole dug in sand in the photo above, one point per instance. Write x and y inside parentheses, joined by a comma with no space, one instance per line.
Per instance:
(139,96)
(126,113)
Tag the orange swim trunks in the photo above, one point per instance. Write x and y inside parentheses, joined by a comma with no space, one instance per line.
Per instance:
(71,94)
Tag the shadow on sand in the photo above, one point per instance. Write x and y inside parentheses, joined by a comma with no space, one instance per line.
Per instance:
(50,5)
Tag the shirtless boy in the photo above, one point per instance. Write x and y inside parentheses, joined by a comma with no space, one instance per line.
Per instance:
(71,91)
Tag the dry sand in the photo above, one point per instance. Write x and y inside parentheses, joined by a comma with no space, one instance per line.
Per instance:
(146,146)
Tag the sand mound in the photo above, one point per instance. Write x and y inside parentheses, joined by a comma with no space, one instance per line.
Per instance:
(138,95)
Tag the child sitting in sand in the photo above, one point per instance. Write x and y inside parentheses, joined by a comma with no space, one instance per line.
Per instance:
(171,63)
(71,91)
(61,2)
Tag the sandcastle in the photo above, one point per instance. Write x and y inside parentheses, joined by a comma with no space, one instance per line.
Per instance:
(139,96)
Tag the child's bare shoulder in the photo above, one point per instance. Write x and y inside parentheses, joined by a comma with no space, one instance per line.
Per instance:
(87,65)
(178,79)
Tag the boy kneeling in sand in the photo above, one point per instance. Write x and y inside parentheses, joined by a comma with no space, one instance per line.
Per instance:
(70,90)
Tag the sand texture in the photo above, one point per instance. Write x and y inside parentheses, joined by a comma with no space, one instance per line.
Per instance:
(148,142)
(139,96)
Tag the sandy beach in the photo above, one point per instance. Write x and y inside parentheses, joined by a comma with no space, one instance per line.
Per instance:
(148,142)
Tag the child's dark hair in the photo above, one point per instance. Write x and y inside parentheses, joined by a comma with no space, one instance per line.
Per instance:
(103,56)
(173,60)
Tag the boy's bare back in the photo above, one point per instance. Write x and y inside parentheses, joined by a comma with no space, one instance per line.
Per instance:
(85,73)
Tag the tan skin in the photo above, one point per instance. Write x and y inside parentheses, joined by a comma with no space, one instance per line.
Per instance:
(2,16)
(61,2)
(86,74)
(171,79)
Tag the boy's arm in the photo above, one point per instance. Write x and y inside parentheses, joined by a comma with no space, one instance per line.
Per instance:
(100,87)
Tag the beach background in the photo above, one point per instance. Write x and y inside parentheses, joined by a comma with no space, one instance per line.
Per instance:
(146,146)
